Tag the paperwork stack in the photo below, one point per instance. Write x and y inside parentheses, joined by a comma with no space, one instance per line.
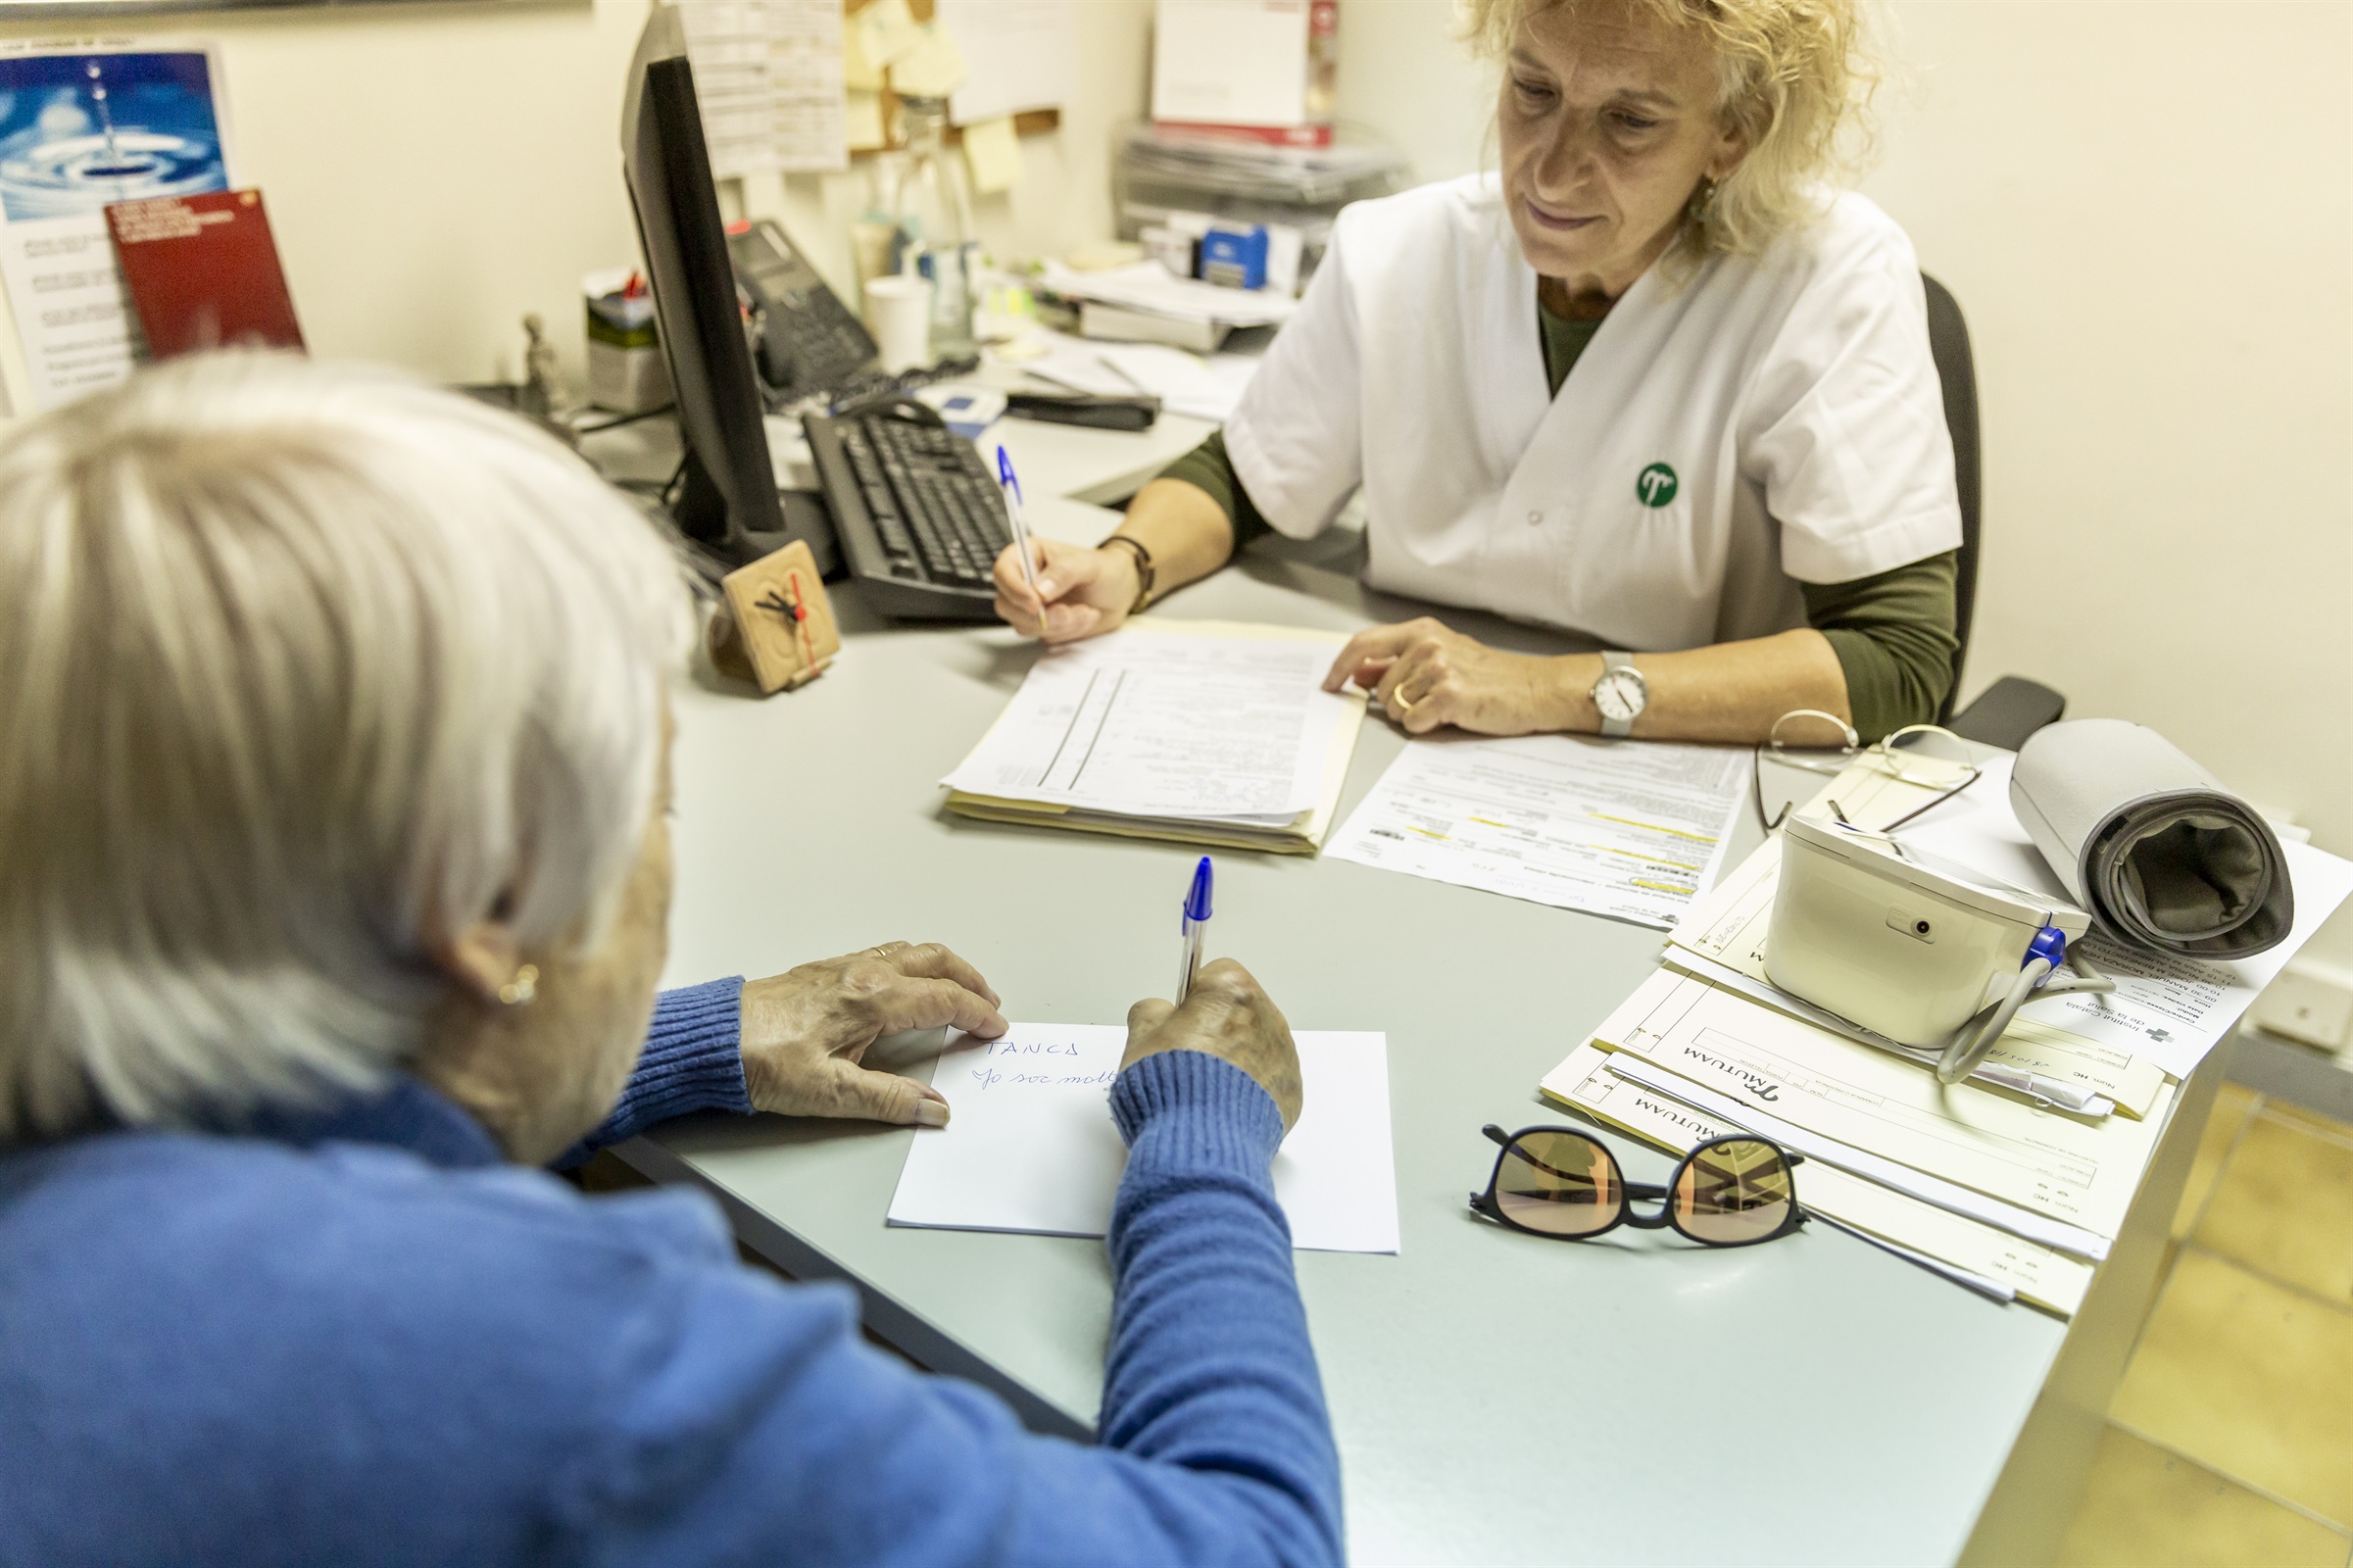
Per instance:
(1158,174)
(1204,732)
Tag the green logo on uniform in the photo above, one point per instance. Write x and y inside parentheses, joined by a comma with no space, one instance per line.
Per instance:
(1655,485)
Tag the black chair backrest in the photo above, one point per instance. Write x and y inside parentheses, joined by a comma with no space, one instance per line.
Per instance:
(1949,342)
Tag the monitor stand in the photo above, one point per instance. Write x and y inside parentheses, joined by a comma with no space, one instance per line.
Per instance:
(701,514)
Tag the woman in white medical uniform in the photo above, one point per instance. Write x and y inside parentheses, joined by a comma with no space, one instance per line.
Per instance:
(1656,384)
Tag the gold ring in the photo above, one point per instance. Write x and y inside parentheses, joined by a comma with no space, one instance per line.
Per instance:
(882,951)
(1404,702)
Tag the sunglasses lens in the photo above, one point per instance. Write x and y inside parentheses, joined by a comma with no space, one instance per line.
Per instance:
(1736,1191)
(1558,1183)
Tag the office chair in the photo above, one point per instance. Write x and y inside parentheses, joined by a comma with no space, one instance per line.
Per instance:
(2013,708)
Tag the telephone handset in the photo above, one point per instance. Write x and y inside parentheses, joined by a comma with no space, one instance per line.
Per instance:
(806,340)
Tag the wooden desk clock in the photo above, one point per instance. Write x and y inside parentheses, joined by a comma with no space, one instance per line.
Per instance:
(777,627)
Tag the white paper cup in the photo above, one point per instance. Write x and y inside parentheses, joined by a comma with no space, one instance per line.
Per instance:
(899,315)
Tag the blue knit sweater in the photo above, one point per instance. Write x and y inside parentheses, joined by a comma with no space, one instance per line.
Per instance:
(361,1338)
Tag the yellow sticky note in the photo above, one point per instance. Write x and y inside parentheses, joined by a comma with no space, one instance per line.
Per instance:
(887,33)
(863,113)
(934,69)
(992,153)
(859,74)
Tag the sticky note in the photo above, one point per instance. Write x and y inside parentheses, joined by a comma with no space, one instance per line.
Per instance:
(861,114)
(934,69)
(888,33)
(859,74)
(992,153)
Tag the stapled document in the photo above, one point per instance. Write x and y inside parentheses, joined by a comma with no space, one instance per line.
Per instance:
(1030,1144)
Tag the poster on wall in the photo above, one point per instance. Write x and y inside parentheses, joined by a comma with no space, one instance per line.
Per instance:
(80,130)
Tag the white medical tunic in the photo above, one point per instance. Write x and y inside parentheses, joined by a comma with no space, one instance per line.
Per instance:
(1770,420)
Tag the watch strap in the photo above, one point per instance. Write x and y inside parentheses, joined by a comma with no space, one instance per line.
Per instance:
(1144,570)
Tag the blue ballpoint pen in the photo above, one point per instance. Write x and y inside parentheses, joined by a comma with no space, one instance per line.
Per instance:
(1011,489)
(1196,920)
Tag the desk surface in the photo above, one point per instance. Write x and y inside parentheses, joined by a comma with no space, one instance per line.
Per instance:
(1496,1396)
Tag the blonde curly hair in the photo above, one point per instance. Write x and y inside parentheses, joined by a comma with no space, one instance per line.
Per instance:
(1796,79)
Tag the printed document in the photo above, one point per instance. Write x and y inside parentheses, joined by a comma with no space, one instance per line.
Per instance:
(1169,719)
(1030,1144)
(1632,829)
(81,129)
(2081,1173)
(2048,1278)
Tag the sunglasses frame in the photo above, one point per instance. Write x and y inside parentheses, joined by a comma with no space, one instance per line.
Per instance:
(1484,1203)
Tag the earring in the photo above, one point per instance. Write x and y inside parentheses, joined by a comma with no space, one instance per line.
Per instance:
(1703,201)
(522,988)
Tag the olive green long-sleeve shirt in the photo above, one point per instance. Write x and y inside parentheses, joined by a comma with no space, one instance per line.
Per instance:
(1894,632)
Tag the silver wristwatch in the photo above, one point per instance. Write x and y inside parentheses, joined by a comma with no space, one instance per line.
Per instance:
(1620,695)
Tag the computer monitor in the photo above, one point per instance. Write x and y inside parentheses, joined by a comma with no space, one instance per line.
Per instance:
(727,497)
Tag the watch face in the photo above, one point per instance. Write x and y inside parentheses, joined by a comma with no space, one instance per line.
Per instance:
(1619,694)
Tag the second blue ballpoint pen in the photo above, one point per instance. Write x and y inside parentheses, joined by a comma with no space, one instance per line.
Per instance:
(1195,920)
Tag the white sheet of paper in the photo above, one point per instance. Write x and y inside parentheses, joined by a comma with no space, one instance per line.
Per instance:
(1159,722)
(1230,62)
(768,77)
(1022,54)
(1631,829)
(1030,1144)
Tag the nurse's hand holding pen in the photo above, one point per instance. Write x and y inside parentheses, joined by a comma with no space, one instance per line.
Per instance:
(1086,592)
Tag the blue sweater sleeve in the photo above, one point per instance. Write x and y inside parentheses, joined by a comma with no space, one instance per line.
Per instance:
(755,1422)
(693,1060)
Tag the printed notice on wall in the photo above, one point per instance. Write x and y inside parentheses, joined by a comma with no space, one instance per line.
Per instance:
(81,129)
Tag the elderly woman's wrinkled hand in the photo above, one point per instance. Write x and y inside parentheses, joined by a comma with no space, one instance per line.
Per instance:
(806,1032)
(1227,1016)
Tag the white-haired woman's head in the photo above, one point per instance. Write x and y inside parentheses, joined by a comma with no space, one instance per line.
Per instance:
(1688,128)
(306,673)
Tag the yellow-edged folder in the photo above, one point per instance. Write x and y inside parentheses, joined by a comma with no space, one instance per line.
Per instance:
(1186,693)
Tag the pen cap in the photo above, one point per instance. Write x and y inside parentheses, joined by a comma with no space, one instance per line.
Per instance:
(1004,472)
(1196,901)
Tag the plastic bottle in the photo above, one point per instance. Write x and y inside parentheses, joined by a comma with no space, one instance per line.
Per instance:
(933,216)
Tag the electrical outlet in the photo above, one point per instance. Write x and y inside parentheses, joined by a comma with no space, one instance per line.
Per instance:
(2305,1005)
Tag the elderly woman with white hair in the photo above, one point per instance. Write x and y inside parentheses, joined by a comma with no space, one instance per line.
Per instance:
(333,882)
(1654,383)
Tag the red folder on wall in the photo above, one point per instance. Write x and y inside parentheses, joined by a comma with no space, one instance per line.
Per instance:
(203,272)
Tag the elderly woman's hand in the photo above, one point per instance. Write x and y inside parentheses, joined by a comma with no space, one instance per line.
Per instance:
(806,1031)
(1427,676)
(1228,1016)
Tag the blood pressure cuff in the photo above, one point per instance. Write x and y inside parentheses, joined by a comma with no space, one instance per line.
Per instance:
(2161,854)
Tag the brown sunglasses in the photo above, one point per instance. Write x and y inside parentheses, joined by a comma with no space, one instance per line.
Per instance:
(1556,1182)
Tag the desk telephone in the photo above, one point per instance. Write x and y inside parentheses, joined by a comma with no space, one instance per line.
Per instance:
(914,509)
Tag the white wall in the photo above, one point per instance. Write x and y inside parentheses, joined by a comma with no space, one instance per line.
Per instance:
(2146,212)
(436,170)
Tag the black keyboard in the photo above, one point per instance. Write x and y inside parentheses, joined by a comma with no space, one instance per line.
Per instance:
(916,510)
